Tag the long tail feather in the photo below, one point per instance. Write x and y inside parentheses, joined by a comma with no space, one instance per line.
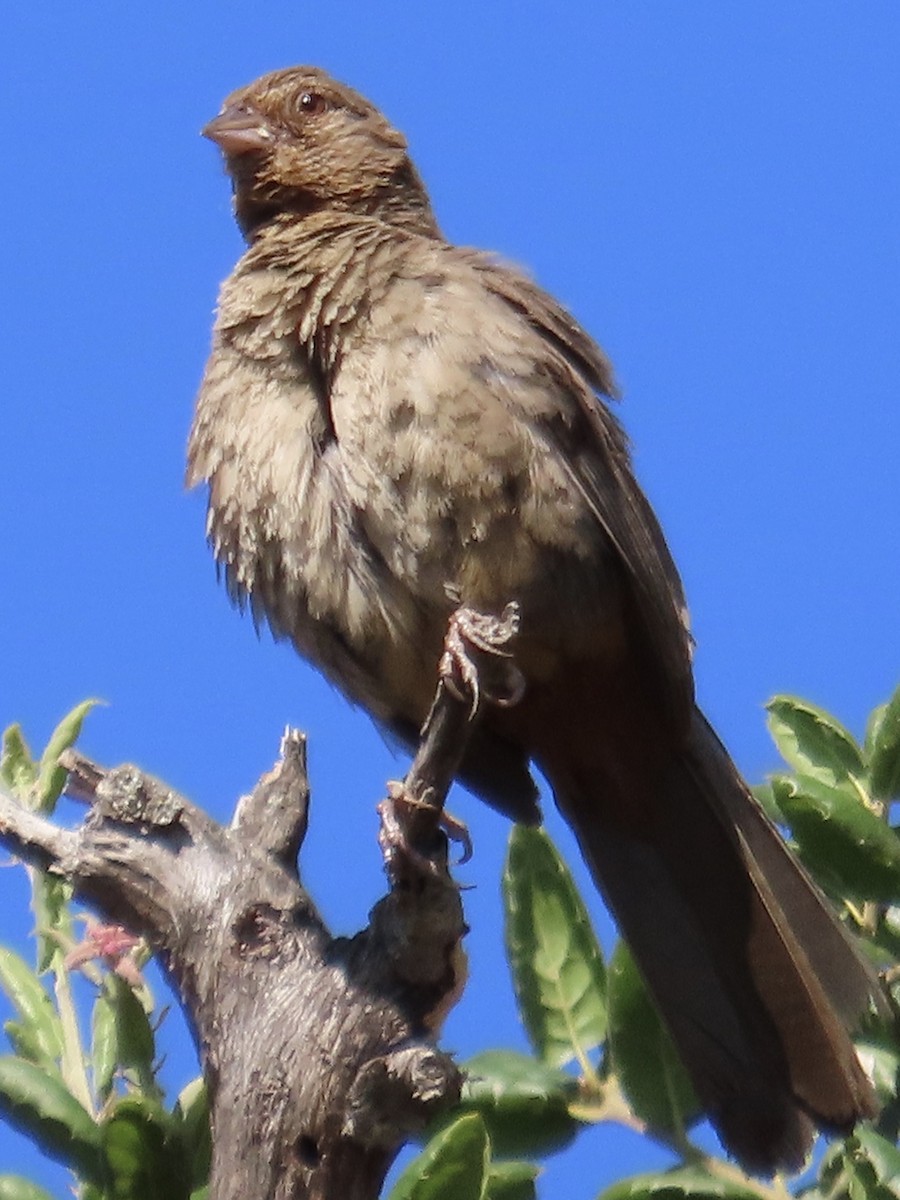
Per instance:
(752,973)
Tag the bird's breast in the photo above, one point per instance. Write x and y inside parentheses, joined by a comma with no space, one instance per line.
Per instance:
(437,408)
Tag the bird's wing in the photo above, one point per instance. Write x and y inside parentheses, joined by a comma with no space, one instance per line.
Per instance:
(590,439)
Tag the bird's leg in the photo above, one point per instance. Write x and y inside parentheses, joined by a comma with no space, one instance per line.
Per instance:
(476,665)
(477,661)
(395,813)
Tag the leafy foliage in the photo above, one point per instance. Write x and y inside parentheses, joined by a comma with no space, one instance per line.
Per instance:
(600,1052)
(558,970)
(526,1106)
(96,1108)
(577,1009)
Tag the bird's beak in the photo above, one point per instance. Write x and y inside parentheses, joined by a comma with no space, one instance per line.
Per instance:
(239,130)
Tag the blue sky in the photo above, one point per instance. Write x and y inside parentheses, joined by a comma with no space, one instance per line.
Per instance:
(713,189)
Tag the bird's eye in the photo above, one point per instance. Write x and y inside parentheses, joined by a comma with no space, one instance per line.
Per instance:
(311,103)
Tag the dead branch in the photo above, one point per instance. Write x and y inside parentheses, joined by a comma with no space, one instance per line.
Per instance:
(318,1051)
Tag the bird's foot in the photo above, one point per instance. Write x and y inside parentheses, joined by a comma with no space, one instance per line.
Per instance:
(396,846)
(394,813)
(477,663)
(457,831)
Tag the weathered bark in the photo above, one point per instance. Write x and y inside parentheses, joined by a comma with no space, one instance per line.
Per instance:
(318,1051)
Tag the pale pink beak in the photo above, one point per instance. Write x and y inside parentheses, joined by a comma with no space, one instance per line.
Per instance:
(239,130)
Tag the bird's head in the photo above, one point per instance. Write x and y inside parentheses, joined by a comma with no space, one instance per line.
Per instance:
(296,141)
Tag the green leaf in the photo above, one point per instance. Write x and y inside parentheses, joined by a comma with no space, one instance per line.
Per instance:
(26,1045)
(677,1184)
(865,1167)
(813,741)
(51,777)
(14,1187)
(883,750)
(122,1036)
(34,1006)
(41,1106)
(453,1164)
(524,1103)
(557,966)
(144,1160)
(510,1181)
(50,899)
(881,1061)
(650,1072)
(887,933)
(17,768)
(762,792)
(845,845)
(884,1157)
(135,1041)
(104,1044)
(192,1109)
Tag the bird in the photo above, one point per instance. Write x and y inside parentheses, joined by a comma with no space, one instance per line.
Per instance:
(390,424)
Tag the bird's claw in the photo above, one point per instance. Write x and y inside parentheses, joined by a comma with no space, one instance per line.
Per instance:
(457,831)
(392,834)
(473,636)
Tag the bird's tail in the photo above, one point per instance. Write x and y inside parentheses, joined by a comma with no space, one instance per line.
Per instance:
(755,978)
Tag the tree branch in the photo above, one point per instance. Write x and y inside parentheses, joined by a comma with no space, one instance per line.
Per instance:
(317,1051)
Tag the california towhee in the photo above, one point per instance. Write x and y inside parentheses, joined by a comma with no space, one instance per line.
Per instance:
(385,414)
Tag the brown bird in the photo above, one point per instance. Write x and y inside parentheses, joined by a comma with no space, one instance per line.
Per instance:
(385,414)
